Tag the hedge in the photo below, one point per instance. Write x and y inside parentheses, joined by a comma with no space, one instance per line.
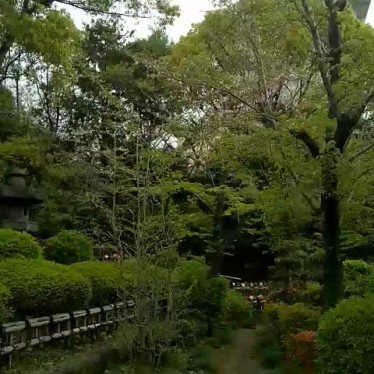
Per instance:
(4,300)
(40,287)
(68,247)
(18,244)
(105,280)
(345,337)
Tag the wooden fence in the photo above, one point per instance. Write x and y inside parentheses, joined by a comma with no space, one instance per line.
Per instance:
(25,335)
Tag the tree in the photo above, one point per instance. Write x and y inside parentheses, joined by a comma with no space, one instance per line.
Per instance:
(268,102)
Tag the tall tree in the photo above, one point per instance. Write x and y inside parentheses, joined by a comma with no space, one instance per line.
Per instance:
(253,68)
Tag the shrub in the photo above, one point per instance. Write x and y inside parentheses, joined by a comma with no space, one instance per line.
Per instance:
(18,244)
(236,309)
(201,360)
(271,356)
(68,247)
(345,337)
(312,293)
(4,299)
(288,320)
(286,325)
(106,279)
(41,287)
(303,344)
(205,296)
(358,277)
(298,317)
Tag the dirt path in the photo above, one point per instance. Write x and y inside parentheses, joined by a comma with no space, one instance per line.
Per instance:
(238,358)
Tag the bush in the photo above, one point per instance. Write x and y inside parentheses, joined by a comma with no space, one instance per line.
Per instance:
(288,320)
(106,279)
(345,337)
(303,346)
(205,296)
(290,326)
(236,309)
(358,278)
(312,293)
(69,247)
(201,360)
(4,299)
(298,317)
(41,287)
(18,244)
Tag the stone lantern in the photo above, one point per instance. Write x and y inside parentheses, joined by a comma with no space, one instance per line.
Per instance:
(19,202)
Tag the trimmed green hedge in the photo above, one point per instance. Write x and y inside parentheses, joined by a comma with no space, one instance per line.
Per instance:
(68,247)
(104,278)
(4,300)
(18,244)
(107,279)
(345,338)
(41,287)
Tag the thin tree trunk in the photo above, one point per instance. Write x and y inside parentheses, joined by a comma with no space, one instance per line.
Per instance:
(333,267)
(217,260)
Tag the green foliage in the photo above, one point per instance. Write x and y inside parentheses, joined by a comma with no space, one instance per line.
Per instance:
(345,337)
(206,297)
(68,247)
(236,309)
(312,293)
(41,287)
(4,303)
(17,244)
(200,360)
(107,279)
(191,274)
(358,277)
(289,319)
(271,356)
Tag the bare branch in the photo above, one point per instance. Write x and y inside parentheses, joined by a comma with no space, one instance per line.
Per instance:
(269,119)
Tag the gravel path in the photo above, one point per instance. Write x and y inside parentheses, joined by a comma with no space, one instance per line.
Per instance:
(238,358)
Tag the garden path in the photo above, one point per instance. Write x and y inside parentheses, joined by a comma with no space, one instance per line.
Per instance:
(238,357)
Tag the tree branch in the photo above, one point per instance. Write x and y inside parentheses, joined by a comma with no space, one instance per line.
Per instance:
(368,148)
(265,117)
(346,122)
(90,9)
(367,171)
(5,69)
(308,141)
(303,194)
(334,38)
(322,66)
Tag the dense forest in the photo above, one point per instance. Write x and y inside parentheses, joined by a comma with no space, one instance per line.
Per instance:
(246,143)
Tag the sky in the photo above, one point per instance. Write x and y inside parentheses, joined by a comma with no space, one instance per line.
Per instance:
(192,11)
(370,15)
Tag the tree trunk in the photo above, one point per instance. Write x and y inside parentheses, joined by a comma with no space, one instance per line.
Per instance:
(333,267)
(217,258)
